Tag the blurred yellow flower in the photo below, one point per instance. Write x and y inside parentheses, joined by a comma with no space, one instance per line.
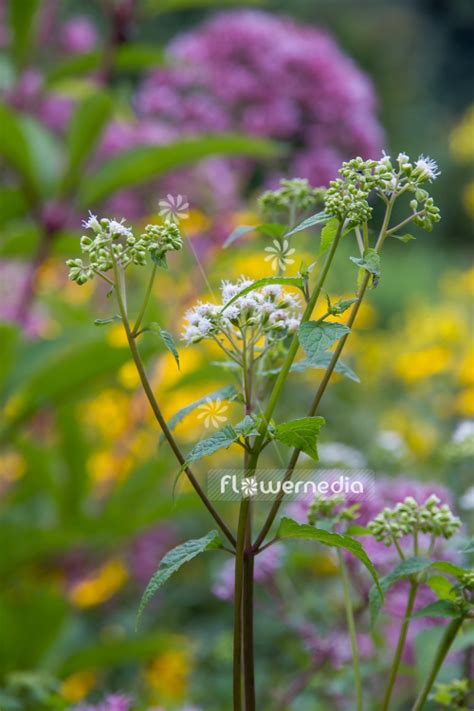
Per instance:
(167,675)
(107,414)
(128,376)
(100,587)
(468,197)
(461,140)
(422,364)
(12,466)
(465,402)
(116,336)
(75,687)
(196,223)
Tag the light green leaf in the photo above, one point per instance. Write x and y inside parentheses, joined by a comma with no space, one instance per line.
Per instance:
(404,238)
(237,233)
(445,566)
(144,163)
(106,321)
(328,234)
(15,149)
(301,433)
(174,560)
(136,57)
(292,529)
(45,152)
(228,392)
(73,66)
(441,586)
(440,608)
(316,219)
(86,126)
(321,362)
(266,281)
(317,336)
(222,439)
(403,571)
(370,262)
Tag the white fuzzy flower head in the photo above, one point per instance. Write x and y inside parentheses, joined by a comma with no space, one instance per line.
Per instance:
(92,223)
(426,169)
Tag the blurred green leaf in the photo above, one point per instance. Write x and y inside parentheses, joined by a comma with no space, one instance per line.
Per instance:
(8,341)
(12,204)
(87,124)
(302,434)
(74,65)
(137,57)
(140,164)
(22,16)
(14,147)
(162,6)
(370,262)
(440,608)
(173,561)
(328,233)
(45,153)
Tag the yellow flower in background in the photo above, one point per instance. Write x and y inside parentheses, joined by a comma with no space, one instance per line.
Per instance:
(468,197)
(167,675)
(461,141)
(196,223)
(75,687)
(464,403)
(99,588)
(12,467)
(128,376)
(117,337)
(411,367)
(107,414)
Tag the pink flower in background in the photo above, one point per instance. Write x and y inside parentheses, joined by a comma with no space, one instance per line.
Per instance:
(78,35)
(146,551)
(13,279)
(113,702)
(266,564)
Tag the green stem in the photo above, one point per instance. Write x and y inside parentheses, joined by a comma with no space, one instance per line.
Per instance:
(139,320)
(156,409)
(247,611)
(352,630)
(441,653)
(238,593)
(400,646)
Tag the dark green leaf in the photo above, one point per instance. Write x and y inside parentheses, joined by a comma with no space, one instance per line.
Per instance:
(174,560)
(302,434)
(370,262)
(45,152)
(15,149)
(72,66)
(292,529)
(137,57)
(316,219)
(322,361)
(222,439)
(317,336)
(266,281)
(403,571)
(328,234)
(170,344)
(440,608)
(22,15)
(159,259)
(144,163)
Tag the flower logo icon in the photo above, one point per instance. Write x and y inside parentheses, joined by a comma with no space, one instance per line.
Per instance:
(212,413)
(279,255)
(249,486)
(174,208)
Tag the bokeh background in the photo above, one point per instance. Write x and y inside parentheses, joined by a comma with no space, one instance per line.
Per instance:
(110,106)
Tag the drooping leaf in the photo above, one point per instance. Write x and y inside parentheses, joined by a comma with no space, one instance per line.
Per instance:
(266,281)
(289,528)
(302,434)
(173,561)
(228,392)
(165,336)
(317,219)
(404,238)
(141,164)
(317,336)
(222,439)
(328,234)
(238,232)
(85,128)
(440,608)
(403,571)
(370,262)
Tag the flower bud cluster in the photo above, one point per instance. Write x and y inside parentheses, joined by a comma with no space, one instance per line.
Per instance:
(347,197)
(112,242)
(452,695)
(268,312)
(409,517)
(296,194)
(332,507)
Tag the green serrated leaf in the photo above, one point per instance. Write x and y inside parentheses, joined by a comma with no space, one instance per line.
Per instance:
(246,427)
(404,238)
(317,219)
(440,608)
(228,392)
(317,336)
(174,560)
(222,439)
(159,259)
(370,262)
(301,433)
(106,321)
(289,528)
(403,571)
(288,281)
(328,234)
(321,362)
(170,344)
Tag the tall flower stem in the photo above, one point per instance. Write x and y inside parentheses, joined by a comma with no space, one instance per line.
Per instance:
(400,646)
(119,291)
(248,615)
(352,630)
(441,653)
(325,380)
(238,594)
(140,316)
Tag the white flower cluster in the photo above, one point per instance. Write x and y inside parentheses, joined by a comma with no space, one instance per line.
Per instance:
(409,517)
(268,312)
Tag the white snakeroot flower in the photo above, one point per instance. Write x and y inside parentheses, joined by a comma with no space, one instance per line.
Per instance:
(249,486)
(92,223)
(212,413)
(174,208)
(280,255)
(427,168)
(119,228)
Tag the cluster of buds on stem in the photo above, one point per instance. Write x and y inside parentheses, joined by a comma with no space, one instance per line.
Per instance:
(294,196)
(112,242)
(347,197)
(333,508)
(410,518)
